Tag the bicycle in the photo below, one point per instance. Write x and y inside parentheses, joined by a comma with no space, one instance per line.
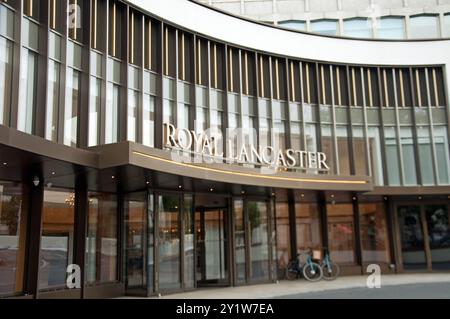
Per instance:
(311,270)
(330,270)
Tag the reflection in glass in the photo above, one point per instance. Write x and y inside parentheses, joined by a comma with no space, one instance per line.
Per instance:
(358,28)
(283,238)
(135,245)
(327,146)
(374,235)
(71,107)
(446,28)
(307,225)
(12,239)
(101,241)
(412,239)
(359,150)
(375,154)
(6,22)
(259,247)
(111,113)
(133,102)
(326,27)
(442,153)
(239,239)
(438,223)
(341,227)
(392,158)
(94,111)
(343,150)
(293,24)
(425,155)
(6,48)
(423,26)
(56,251)
(148,129)
(391,28)
(169,242)
(189,237)
(409,162)
(52,101)
(28,83)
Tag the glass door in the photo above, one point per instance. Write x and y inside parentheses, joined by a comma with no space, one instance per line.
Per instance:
(412,237)
(438,225)
(212,246)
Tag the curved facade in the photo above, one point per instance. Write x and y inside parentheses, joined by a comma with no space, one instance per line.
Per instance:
(164,146)
(381,19)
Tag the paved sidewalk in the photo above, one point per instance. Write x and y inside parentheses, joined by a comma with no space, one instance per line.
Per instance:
(286,288)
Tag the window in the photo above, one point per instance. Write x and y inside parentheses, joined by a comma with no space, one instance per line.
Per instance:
(446,28)
(148,129)
(409,162)
(425,155)
(442,154)
(293,24)
(374,235)
(101,241)
(423,26)
(392,158)
(51,125)
(94,111)
(71,107)
(391,28)
(239,239)
(57,237)
(358,28)
(133,104)
(138,228)
(111,113)
(6,22)
(375,154)
(189,241)
(307,222)
(341,230)
(259,240)
(283,238)
(326,27)
(12,238)
(6,52)
(28,90)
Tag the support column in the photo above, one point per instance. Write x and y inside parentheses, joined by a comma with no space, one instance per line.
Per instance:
(34,206)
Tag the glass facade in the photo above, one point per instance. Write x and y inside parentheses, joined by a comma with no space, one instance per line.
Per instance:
(341,230)
(358,28)
(382,124)
(391,28)
(101,240)
(13,231)
(57,238)
(423,26)
(293,24)
(6,50)
(374,234)
(169,242)
(325,27)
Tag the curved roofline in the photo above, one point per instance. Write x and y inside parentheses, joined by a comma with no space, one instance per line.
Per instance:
(312,33)
(244,33)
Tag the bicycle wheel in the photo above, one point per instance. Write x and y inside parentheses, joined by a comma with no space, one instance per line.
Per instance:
(291,271)
(331,272)
(312,272)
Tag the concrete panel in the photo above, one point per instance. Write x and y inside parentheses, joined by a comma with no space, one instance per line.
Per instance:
(355,5)
(389,4)
(290,6)
(258,8)
(323,5)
